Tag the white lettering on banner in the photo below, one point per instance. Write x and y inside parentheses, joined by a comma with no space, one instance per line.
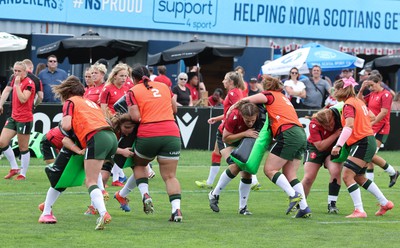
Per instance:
(53,4)
(122,6)
(197,15)
(45,120)
(186,129)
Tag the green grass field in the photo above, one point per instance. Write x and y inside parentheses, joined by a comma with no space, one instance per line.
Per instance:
(267,227)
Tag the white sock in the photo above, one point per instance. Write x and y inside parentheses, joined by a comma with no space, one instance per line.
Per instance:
(98,202)
(143,188)
(373,189)
(369,175)
(332,198)
(100,183)
(121,172)
(254,180)
(356,197)
(51,198)
(244,192)
(390,170)
(284,184)
(224,179)
(9,154)
(129,186)
(299,188)
(212,174)
(25,158)
(115,171)
(176,204)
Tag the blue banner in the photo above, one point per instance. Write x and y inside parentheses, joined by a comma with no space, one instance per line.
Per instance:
(357,20)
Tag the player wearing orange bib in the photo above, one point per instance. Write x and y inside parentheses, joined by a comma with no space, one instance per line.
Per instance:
(290,144)
(358,135)
(151,104)
(87,121)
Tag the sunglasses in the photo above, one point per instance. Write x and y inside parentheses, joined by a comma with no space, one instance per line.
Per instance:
(52,61)
(184,79)
(294,73)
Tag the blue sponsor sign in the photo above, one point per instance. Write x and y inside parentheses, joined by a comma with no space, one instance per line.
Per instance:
(357,20)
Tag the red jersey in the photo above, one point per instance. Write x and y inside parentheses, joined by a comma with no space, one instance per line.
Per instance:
(375,102)
(281,113)
(55,136)
(245,92)
(129,83)
(93,93)
(111,94)
(234,123)
(155,107)
(193,92)
(163,79)
(233,96)
(318,132)
(87,118)
(22,112)
(355,108)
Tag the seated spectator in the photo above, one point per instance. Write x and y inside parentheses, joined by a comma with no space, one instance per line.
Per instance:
(295,89)
(181,92)
(217,98)
(162,77)
(396,102)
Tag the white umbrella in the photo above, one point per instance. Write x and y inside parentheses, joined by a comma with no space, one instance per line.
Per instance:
(309,55)
(9,42)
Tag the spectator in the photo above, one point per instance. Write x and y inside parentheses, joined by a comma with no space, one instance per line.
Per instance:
(40,67)
(193,85)
(295,89)
(254,87)
(181,92)
(152,75)
(162,77)
(196,69)
(217,98)
(316,89)
(52,75)
(396,102)
(364,74)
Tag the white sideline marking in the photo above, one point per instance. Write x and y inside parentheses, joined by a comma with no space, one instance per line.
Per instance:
(359,222)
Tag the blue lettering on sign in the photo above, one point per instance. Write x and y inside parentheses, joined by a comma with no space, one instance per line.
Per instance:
(302,15)
(196,14)
(246,12)
(352,19)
